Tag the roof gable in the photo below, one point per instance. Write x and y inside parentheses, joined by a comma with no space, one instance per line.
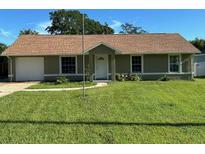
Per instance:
(102,44)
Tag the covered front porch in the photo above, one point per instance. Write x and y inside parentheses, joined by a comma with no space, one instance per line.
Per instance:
(101,62)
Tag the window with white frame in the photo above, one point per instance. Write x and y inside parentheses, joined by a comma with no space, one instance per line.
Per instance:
(174,63)
(136,64)
(68,65)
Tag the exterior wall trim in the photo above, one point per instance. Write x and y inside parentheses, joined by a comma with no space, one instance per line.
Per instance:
(76,64)
(142,63)
(160,73)
(63,74)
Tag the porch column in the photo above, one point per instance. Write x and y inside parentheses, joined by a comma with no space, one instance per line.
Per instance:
(113,70)
(91,66)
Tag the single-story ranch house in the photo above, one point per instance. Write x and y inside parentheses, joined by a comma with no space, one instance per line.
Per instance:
(44,57)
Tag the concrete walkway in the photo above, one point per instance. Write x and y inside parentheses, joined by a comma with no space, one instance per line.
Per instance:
(100,84)
(11,87)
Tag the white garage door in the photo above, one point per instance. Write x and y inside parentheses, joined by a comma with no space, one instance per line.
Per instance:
(29,68)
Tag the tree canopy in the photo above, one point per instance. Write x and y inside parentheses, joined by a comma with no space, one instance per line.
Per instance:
(70,22)
(2,47)
(28,32)
(199,44)
(131,29)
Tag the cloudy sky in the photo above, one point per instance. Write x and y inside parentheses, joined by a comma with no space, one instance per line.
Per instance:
(189,23)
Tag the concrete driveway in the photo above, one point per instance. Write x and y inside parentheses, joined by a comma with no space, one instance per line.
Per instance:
(10,87)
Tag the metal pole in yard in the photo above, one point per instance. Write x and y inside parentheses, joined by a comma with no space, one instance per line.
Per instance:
(83,49)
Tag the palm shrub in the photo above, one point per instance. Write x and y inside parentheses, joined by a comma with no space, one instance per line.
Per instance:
(127,77)
(164,78)
(134,77)
(61,79)
(120,77)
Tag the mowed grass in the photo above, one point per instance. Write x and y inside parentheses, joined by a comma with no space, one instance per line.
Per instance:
(122,112)
(48,85)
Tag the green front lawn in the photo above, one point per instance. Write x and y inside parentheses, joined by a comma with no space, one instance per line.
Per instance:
(122,112)
(48,85)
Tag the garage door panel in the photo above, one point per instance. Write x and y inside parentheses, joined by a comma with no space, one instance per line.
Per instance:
(29,68)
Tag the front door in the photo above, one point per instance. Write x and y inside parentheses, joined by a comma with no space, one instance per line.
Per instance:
(101,67)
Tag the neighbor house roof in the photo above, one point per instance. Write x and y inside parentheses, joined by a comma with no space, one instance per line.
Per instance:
(33,45)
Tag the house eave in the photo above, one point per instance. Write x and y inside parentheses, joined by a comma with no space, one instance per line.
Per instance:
(86,52)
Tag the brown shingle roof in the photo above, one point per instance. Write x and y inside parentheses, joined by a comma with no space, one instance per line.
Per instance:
(32,45)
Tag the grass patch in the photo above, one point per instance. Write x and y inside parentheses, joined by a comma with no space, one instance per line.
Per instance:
(49,85)
(122,112)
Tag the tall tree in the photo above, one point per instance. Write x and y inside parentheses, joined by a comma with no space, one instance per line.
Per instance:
(131,29)
(107,29)
(28,32)
(2,48)
(199,43)
(70,22)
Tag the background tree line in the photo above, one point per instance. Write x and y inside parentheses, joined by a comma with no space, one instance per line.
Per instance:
(2,48)
(66,22)
(199,43)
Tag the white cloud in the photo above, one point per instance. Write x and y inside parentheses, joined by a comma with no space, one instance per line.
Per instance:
(4,33)
(40,27)
(116,25)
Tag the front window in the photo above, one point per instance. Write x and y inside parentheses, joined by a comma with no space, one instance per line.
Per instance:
(174,63)
(68,65)
(136,64)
